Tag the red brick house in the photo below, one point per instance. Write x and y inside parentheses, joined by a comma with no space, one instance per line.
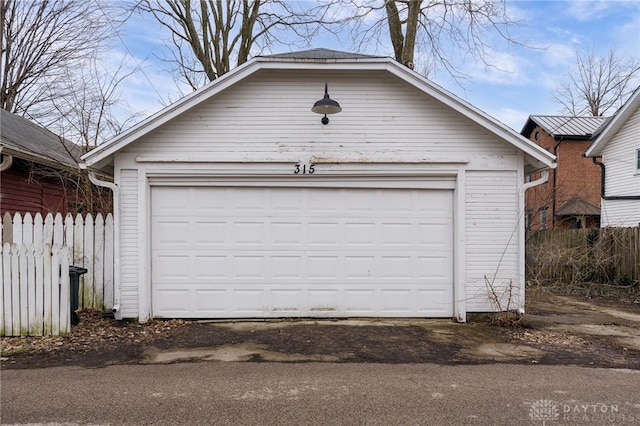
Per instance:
(571,198)
(38,169)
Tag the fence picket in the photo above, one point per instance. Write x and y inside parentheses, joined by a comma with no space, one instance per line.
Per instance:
(7,330)
(98,262)
(30,277)
(108,263)
(27,228)
(68,235)
(65,308)
(17,228)
(47,235)
(58,230)
(47,291)
(15,290)
(38,229)
(2,299)
(38,327)
(31,292)
(24,290)
(55,291)
(7,228)
(86,280)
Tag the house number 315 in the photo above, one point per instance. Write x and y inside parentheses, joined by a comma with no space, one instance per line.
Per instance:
(303,169)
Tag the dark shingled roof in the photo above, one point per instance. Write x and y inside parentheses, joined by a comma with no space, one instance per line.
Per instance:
(25,139)
(319,54)
(585,128)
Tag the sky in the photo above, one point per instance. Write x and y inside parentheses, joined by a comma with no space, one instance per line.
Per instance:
(521,83)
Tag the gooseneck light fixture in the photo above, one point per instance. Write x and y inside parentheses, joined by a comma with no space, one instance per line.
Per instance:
(326,106)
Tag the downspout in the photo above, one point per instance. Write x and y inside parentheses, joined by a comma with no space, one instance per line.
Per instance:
(602,190)
(116,240)
(521,236)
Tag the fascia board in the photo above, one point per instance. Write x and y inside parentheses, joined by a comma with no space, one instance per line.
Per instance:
(36,158)
(621,117)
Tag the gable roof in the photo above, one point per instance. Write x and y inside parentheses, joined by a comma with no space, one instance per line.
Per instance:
(616,123)
(24,139)
(320,59)
(566,127)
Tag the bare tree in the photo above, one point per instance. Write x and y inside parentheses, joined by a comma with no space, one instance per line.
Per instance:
(51,73)
(41,40)
(433,29)
(92,109)
(211,37)
(597,84)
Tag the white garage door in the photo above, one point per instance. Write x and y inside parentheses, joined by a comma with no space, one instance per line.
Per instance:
(243,252)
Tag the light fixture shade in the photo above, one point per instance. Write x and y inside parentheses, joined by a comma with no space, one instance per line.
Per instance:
(326,105)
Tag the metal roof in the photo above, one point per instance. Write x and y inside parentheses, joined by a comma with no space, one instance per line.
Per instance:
(25,139)
(315,54)
(567,126)
(576,206)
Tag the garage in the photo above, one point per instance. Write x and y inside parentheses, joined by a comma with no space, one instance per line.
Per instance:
(359,249)
(241,201)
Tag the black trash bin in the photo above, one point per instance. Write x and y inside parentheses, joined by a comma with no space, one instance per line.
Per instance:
(74,288)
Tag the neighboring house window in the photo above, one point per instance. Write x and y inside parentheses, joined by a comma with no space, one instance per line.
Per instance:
(543,219)
(637,160)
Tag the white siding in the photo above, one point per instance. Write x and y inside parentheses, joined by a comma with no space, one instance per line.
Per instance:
(622,178)
(267,119)
(129,263)
(491,236)
(270,114)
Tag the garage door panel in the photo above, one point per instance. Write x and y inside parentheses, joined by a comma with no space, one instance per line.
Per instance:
(287,234)
(249,267)
(208,267)
(173,233)
(323,267)
(287,267)
(359,234)
(172,267)
(398,234)
(435,269)
(174,301)
(434,235)
(210,301)
(397,268)
(260,252)
(323,234)
(209,233)
(359,267)
(322,202)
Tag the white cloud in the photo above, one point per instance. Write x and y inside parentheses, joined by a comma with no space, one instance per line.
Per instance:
(505,70)
(558,54)
(590,10)
(511,117)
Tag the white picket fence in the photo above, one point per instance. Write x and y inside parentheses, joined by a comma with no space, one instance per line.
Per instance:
(88,242)
(34,290)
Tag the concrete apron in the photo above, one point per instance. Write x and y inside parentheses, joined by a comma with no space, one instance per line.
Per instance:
(559,321)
